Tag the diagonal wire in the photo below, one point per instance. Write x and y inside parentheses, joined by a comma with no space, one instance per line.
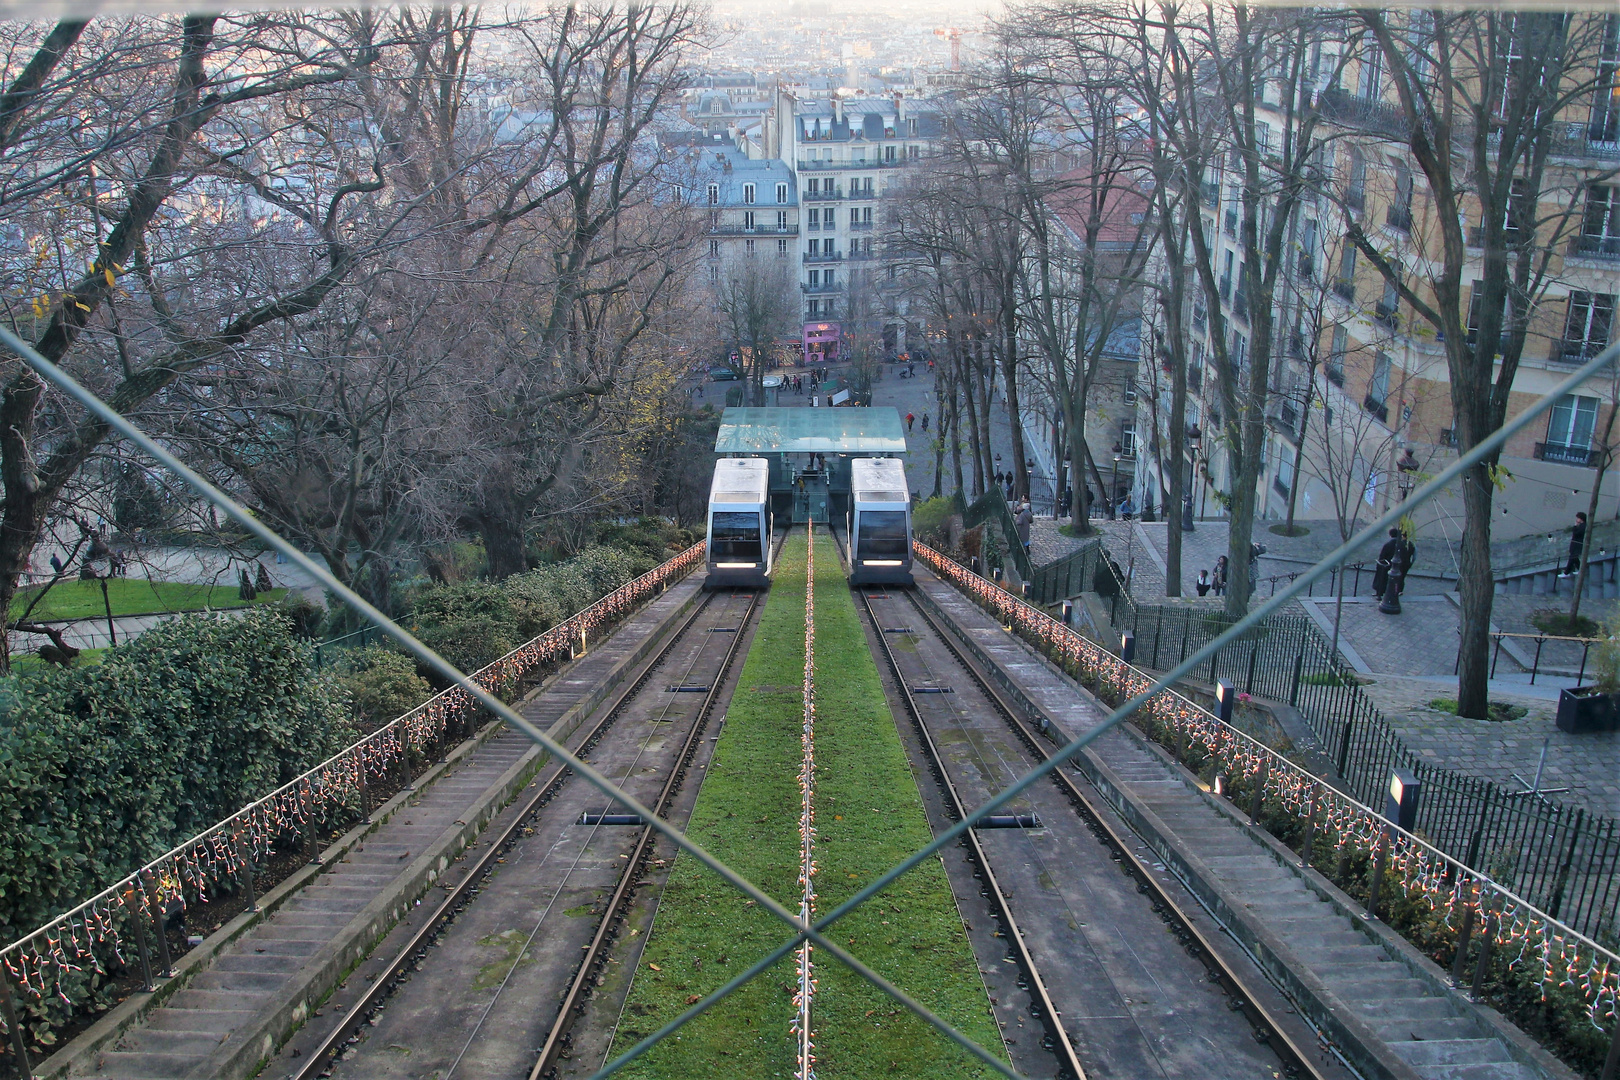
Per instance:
(117,422)
(1485,447)
(68,385)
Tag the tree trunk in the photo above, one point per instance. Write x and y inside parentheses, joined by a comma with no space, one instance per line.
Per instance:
(503,545)
(973,436)
(1476,589)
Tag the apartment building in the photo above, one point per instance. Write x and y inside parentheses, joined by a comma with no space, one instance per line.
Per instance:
(1361,408)
(805,182)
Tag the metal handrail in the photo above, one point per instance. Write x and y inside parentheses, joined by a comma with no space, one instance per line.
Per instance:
(233,846)
(1505,914)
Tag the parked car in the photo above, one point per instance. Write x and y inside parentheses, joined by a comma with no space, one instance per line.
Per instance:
(722,374)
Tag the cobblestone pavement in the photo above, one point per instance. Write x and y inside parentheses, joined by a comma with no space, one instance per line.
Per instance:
(1512,614)
(1421,640)
(1589,765)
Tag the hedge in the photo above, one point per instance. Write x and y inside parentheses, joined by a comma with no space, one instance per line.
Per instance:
(105,767)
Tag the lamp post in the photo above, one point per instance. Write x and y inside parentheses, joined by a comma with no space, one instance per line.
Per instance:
(1113,487)
(1195,437)
(1406,472)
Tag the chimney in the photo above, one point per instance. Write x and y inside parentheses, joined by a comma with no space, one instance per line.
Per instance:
(899,110)
(838,108)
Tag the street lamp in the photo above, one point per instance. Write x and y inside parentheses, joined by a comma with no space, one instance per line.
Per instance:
(1113,488)
(1195,437)
(1406,469)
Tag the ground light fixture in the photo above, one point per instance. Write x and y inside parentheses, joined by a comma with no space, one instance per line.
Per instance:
(801,930)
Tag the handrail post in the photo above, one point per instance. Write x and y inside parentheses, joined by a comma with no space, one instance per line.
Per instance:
(1299,665)
(1380,859)
(365,789)
(1308,848)
(1459,962)
(138,922)
(160,928)
(1258,802)
(1485,945)
(311,841)
(247,876)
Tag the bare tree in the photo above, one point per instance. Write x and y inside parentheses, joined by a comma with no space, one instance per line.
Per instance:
(759,303)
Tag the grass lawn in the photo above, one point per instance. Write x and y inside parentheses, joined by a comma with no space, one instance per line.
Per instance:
(868,816)
(131,596)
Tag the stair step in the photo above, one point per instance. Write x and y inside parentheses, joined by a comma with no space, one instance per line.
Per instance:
(1451,1052)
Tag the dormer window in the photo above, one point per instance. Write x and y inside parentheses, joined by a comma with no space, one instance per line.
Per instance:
(748,194)
(714,194)
(781,193)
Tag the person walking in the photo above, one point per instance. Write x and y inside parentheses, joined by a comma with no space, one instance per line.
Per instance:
(1203,583)
(1408,559)
(910,419)
(1577,546)
(925,423)
(1218,580)
(1025,518)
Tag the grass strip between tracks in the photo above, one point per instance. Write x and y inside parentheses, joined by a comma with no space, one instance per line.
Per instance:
(747,813)
(869,815)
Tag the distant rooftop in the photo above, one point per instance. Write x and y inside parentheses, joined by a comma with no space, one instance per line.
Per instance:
(804,431)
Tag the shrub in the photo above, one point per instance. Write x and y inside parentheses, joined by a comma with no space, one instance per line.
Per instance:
(303,614)
(381,684)
(105,767)
(931,521)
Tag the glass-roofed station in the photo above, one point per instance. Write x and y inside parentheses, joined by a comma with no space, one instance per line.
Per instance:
(809,452)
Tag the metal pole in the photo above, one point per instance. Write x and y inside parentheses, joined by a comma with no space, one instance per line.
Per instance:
(1380,858)
(247,879)
(1299,664)
(1307,849)
(1258,802)
(1484,964)
(1535,666)
(140,940)
(159,923)
(1459,962)
(1344,747)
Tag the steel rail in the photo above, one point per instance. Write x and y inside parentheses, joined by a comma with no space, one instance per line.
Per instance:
(319,1059)
(624,890)
(1230,980)
(116,421)
(1062,1047)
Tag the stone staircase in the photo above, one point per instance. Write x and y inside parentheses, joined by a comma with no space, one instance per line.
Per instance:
(1541,579)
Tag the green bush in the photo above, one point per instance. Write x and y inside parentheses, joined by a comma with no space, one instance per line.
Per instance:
(381,684)
(105,767)
(476,622)
(304,614)
(931,521)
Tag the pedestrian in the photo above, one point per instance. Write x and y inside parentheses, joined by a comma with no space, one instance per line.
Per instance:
(925,423)
(1387,555)
(1577,545)
(1085,507)
(1025,518)
(1065,502)
(1408,558)
(1009,491)
(700,390)
(56,565)
(910,419)
(1217,582)
(1203,583)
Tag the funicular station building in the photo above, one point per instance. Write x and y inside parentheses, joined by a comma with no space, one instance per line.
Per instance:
(809,452)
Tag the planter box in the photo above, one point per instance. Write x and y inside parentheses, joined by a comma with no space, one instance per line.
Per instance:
(1584,710)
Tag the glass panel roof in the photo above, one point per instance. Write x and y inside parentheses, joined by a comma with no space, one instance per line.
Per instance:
(802,431)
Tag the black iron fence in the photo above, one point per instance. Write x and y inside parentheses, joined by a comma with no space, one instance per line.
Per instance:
(1563,859)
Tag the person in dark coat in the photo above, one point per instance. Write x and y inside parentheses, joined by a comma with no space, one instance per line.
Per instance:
(1407,561)
(1577,545)
(1392,549)
(1218,581)
(1025,518)
(1203,583)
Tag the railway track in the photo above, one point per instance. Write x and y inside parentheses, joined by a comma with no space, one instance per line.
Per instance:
(1113,964)
(454,990)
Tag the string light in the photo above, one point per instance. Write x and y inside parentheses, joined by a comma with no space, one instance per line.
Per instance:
(57,959)
(807,821)
(1544,950)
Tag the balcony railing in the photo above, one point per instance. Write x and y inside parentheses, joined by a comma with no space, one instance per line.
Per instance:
(829,166)
(826,258)
(1379,410)
(822,196)
(1399,217)
(1575,352)
(837,286)
(757,230)
(1335,374)
(1599,140)
(1345,290)
(1364,114)
(1559,454)
(860,225)
(1355,197)
(1387,315)
(1596,247)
